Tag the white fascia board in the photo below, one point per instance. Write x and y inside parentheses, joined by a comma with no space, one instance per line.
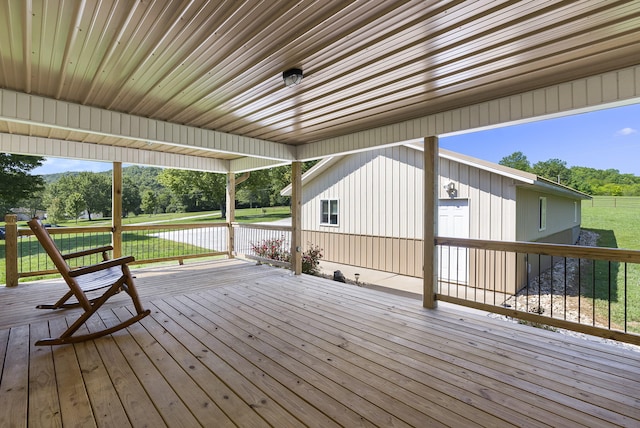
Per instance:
(613,89)
(504,171)
(48,147)
(560,189)
(35,110)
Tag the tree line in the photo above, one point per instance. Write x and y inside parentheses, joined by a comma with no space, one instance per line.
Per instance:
(145,190)
(152,190)
(595,182)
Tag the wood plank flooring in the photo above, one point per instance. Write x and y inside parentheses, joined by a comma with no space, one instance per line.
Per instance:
(230,343)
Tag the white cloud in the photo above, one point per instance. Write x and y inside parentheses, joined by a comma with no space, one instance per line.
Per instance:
(626,131)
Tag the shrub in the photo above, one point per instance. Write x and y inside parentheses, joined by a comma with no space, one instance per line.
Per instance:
(311,259)
(278,249)
(273,249)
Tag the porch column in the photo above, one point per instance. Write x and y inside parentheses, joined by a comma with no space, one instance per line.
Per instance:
(11,249)
(116,209)
(430,262)
(231,211)
(296,217)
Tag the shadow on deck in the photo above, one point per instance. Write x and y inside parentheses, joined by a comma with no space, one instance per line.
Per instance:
(230,343)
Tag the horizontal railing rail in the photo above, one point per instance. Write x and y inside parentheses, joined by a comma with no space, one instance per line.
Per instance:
(146,243)
(593,290)
(166,242)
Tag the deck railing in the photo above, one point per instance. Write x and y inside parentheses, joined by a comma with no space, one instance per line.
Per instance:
(246,236)
(146,243)
(586,289)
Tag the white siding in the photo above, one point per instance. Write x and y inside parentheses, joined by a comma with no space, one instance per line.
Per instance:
(561,218)
(380,194)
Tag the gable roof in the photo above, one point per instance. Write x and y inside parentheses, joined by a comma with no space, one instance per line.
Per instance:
(522,178)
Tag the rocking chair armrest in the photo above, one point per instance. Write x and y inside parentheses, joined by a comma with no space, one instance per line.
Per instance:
(87,252)
(101,266)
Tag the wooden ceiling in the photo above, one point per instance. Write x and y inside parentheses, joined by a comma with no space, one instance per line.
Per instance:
(218,64)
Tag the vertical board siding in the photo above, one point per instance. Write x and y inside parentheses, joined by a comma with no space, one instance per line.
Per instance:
(374,194)
(381,202)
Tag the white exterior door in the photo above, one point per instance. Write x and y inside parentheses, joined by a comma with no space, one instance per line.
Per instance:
(453,222)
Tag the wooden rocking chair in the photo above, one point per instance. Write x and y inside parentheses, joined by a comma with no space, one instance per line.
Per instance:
(114,275)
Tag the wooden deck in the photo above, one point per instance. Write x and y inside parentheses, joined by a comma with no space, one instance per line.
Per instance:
(230,343)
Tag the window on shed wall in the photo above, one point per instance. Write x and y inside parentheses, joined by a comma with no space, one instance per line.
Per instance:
(329,212)
(575,212)
(542,213)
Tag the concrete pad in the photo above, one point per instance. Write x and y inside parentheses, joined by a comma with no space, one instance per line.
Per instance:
(376,279)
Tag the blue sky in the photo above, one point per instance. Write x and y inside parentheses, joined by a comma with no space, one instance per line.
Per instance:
(603,139)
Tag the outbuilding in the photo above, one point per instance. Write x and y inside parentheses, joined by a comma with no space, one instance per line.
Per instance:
(365,209)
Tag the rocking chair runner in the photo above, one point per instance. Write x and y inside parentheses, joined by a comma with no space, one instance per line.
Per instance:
(114,275)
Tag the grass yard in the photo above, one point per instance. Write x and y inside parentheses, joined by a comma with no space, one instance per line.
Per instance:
(146,245)
(618,227)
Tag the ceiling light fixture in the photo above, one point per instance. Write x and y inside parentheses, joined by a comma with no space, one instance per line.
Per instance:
(292,77)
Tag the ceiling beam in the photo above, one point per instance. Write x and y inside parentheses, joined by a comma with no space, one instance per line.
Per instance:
(35,110)
(49,147)
(253,164)
(613,89)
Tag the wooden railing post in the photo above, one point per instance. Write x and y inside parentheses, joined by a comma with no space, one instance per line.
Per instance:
(11,249)
(430,171)
(231,211)
(116,209)
(296,218)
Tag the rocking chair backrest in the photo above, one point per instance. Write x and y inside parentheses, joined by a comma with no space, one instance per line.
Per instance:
(50,247)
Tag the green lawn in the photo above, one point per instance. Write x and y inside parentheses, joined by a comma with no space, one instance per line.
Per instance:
(244,215)
(146,245)
(618,227)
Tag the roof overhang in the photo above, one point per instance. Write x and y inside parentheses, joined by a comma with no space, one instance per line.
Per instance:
(171,82)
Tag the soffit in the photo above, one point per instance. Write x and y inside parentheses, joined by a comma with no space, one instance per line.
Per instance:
(217,65)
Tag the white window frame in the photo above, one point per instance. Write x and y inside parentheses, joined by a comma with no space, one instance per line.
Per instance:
(329,204)
(575,211)
(542,213)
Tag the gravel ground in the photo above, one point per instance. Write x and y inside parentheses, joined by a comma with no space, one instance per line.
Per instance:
(563,276)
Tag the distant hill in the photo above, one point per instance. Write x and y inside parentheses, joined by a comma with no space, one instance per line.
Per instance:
(144,177)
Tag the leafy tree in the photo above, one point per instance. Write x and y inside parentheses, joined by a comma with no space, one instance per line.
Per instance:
(34,203)
(552,169)
(198,191)
(516,160)
(56,209)
(15,182)
(149,202)
(168,203)
(263,187)
(55,195)
(96,192)
(131,199)
(256,190)
(74,205)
